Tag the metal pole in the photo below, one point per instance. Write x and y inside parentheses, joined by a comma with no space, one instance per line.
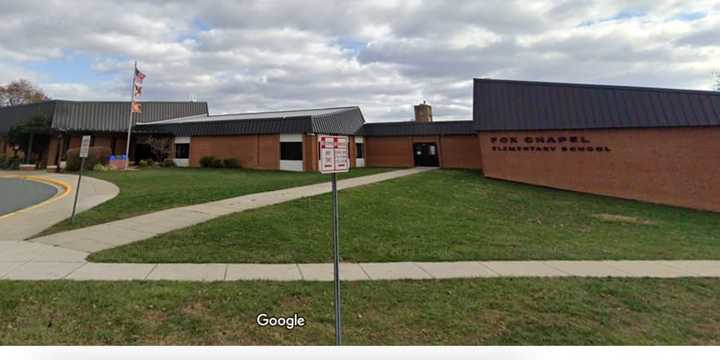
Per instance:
(336,247)
(132,98)
(77,189)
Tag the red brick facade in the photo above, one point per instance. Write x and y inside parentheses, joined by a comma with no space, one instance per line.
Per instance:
(454,151)
(677,166)
(253,151)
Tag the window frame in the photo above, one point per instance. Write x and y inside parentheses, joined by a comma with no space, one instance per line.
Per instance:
(294,152)
(360,150)
(187,152)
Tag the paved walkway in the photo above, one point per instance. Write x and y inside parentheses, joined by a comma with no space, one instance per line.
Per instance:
(117,233)
(31,261)
(25,223)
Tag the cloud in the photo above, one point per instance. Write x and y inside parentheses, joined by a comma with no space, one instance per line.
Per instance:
(381,55)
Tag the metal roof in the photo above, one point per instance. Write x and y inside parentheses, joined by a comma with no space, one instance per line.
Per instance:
(343,121)
(12,115)
(413,128)
(97,115)
(530,105)
(113,116)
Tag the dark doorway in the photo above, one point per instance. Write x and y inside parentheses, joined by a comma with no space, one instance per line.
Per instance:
(143,152)
(426,154)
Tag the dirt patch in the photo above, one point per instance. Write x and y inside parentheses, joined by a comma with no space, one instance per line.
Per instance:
(623,219)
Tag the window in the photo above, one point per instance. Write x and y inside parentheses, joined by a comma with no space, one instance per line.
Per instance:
(291,151)
(182,151)
(360,150)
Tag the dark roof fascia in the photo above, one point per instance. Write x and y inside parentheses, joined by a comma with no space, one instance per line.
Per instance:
(599,128)
(412,128)
(278,125)
(601,86)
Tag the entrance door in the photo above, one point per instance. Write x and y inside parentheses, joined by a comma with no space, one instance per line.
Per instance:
(426,154)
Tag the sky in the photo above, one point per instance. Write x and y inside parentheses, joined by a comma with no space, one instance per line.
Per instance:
(381,55)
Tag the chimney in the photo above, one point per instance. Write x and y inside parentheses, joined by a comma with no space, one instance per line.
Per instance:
(423,112)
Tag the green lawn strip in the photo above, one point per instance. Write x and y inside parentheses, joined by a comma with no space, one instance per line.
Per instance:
(440,216)
(149,190)
(567,311)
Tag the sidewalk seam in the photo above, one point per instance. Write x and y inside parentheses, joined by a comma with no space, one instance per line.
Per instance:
(151,271)
(417,265)
(302,276)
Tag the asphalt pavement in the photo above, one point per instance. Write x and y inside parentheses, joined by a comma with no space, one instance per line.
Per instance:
(16,194)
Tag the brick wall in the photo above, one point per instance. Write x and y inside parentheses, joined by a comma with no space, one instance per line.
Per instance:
(677,166)
(390,151)
(253,151)
(455,151)
(269,150)
(352,151)
(52,150)
(310,153)
(460,152)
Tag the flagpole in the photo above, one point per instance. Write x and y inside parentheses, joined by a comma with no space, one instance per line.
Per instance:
(132,99)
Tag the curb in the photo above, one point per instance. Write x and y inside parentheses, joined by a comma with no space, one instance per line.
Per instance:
(57,183)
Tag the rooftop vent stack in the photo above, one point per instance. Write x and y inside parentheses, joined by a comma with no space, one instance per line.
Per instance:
(423,112)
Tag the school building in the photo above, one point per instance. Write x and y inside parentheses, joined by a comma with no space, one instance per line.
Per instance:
(649,144)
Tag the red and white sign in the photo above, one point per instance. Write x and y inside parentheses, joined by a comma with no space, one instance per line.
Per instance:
(85,146)
(334,155)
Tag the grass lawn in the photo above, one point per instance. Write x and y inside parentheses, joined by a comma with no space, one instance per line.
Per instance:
(441,215)
(149,190)
(468,312)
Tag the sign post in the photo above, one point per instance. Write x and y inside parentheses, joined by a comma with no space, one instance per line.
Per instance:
(84,150)
(334,159)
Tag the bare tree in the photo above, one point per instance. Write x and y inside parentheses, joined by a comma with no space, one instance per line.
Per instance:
(20,92)
(160,147)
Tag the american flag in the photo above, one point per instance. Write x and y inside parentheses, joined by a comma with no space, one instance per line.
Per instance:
(139,76)
(137,90)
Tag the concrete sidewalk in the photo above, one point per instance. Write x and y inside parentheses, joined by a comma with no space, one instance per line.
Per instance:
(28,261)
(25,223)
(62,256)
(113,234)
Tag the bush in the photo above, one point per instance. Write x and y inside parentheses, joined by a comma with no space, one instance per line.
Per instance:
(168,163)
(146,163)
(101,167)
(218,164)
(96,155)
(207,161)
(9,162)
(13,163)
(231,163)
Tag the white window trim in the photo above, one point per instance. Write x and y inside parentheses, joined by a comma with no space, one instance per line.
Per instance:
(182,162)
(291,138)
(291,165)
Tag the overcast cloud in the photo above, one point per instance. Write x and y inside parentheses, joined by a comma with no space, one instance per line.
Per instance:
(381,55)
